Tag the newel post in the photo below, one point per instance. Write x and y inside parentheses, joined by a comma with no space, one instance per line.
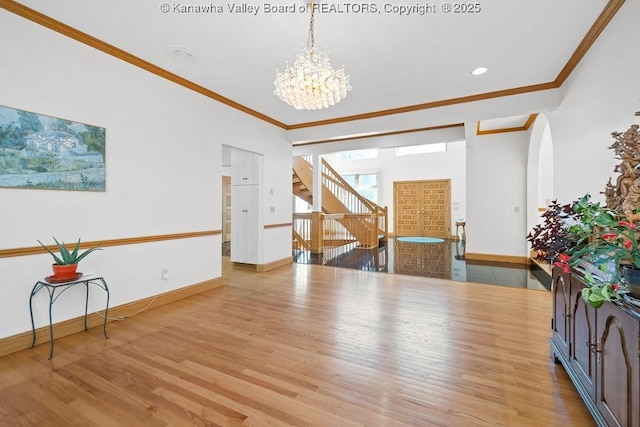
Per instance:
(317,232)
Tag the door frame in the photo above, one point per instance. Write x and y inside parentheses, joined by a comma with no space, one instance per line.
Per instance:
(226,208)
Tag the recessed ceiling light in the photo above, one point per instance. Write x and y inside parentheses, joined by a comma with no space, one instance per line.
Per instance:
(479,70)
(181,54)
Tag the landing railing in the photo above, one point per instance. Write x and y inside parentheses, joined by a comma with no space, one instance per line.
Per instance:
(300,243)
(301,231)
(313,231)
(341,229)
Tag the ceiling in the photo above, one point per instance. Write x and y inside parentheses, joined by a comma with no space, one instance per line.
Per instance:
(398,63)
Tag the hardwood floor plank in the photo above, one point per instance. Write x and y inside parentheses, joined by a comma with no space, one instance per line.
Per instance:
(205,410)
(19,408)
(307,345)
(266,396)
(97,416)
(115,401)
(56,404)
(207,392)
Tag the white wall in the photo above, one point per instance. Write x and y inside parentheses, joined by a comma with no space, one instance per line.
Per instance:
(416,167)
(496,189)
(455,133)
(505,106)
(545,169)
(599,97)
(539,170)
(163,169)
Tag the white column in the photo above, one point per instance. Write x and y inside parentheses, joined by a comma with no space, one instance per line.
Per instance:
(317,183)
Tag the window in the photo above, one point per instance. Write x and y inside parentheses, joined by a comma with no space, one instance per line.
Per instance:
(366,184)
(439,147)
(301,206)
(371,153)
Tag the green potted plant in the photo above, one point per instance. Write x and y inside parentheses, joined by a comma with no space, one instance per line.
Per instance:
(607,249)
(65,265)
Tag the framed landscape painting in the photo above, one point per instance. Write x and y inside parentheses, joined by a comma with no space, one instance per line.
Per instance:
(38,151)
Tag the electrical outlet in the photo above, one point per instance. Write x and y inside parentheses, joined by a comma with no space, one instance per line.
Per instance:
(165,274)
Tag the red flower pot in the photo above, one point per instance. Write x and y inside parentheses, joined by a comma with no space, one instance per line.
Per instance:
(64,271)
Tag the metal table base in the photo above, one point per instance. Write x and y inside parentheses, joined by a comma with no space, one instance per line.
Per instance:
(57,289)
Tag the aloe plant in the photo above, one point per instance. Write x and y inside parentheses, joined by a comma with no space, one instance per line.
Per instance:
(66,257)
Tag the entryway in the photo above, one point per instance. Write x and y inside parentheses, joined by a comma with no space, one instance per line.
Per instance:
(422,208)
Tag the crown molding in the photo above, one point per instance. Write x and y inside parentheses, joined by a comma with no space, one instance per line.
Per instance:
(598,26)
(596,29)
(71,32)
(526,126)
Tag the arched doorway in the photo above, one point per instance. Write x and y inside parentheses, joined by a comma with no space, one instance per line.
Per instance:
(539,170)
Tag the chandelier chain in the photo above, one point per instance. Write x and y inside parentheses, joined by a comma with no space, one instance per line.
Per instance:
(311,41)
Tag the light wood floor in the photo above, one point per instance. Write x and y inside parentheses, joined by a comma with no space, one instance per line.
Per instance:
(306,345)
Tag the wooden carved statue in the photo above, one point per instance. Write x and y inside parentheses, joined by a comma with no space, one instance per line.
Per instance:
(624,196)
(610,194)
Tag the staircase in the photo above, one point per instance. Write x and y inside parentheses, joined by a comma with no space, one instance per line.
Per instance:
(347,216)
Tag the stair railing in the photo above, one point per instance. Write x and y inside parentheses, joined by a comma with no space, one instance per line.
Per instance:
(353,200)
(362,219)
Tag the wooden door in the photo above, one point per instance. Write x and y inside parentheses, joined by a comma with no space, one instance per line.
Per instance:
(245,167)
(226,209)
(244,214)
(422,208)
(246,176)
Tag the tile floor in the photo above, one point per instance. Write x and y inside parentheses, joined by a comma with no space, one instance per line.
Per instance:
(443,260)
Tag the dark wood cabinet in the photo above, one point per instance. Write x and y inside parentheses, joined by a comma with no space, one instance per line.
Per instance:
(582,353)
(560,287)
(600,350)
(618,374)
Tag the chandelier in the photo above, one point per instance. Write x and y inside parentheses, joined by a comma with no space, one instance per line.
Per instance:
(311,83)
